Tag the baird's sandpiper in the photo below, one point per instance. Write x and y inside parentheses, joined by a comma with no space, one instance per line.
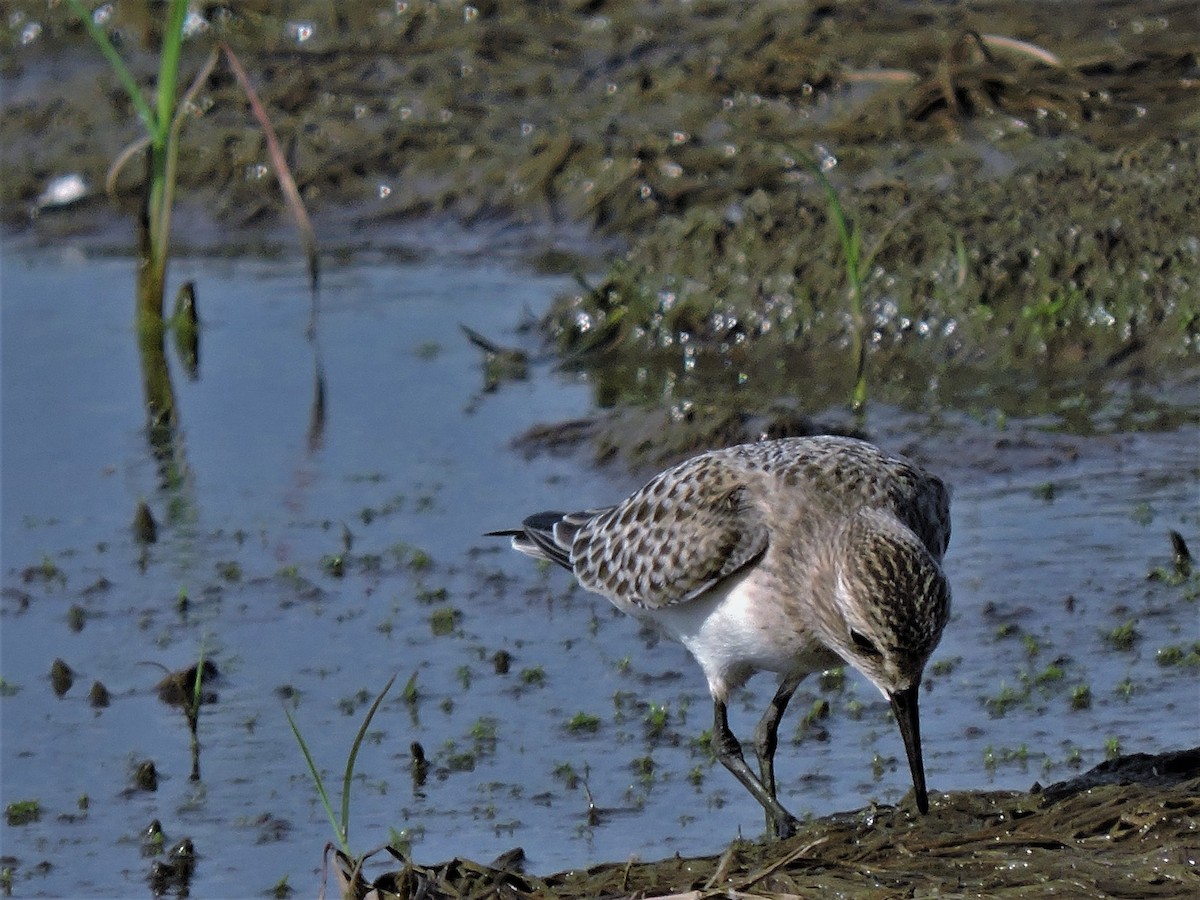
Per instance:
(787,556)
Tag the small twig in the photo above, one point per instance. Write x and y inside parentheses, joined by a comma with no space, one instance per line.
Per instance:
(1000,42)
(886,76)
(625,873)
(721,872)
(110,180)
(796,854)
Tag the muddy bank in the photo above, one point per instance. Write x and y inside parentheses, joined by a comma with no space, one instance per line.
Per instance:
(1023,182)
(1127,828)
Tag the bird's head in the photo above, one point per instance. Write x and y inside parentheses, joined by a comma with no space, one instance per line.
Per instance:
(892,601)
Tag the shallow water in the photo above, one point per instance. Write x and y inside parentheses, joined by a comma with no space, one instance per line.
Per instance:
(415,455)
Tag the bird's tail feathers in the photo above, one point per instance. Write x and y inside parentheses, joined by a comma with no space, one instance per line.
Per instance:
(548,535)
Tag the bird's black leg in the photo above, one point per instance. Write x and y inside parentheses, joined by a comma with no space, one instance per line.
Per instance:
(766,736)
(729,752)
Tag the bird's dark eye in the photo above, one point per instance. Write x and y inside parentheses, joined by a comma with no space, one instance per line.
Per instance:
(863,643)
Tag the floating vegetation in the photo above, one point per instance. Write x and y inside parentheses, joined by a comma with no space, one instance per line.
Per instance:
(880,765)
(565,772)
(230,570)
(1125,688)
(444,620)
(415,558)
(410,695)
(61,677)
(993,758)
(484,734)
(145,776)
(501,662)
(352,704)
(657,717)
(943,667)
(47,571)
(643,767)
(1175,655)
(1052,674)
(533,676)
(1004,700)
(463,673)
(1031,645)
(1143,514)
(833,680)
(22,812)
(457,760)
(145,529)
(1122,637)
(818,711)
(428,350)
(98,696)
(1045,491)
(583,723)
(429,596)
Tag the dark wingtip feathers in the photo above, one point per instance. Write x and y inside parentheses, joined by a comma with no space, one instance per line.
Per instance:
(536,538)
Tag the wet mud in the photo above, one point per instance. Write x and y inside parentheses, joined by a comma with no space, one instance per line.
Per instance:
(1127,828)
(1023,184)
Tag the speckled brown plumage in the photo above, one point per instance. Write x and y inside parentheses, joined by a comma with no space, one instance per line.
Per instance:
(704,519)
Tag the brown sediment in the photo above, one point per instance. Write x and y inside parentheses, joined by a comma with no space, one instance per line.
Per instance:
(1127,828)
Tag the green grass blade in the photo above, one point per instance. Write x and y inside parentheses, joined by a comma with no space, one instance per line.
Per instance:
(317,780)
(166,201)
(145,113)
(851,241)
(358,739)
(168,68)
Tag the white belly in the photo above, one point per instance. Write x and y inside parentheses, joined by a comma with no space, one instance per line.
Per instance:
(739,629)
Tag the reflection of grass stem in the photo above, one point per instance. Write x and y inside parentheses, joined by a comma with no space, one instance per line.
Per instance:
(342,829)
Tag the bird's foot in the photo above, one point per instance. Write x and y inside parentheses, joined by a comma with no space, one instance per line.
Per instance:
(783,827)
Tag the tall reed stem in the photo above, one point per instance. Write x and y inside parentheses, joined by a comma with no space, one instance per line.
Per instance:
(160,189)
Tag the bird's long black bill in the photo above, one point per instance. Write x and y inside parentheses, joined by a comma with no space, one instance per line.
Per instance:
(904,705)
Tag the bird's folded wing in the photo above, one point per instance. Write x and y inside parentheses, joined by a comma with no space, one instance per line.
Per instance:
(673,540)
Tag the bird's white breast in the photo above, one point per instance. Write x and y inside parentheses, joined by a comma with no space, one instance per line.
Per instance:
(738,628)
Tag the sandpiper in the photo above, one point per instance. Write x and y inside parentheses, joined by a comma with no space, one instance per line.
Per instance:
(787,556)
